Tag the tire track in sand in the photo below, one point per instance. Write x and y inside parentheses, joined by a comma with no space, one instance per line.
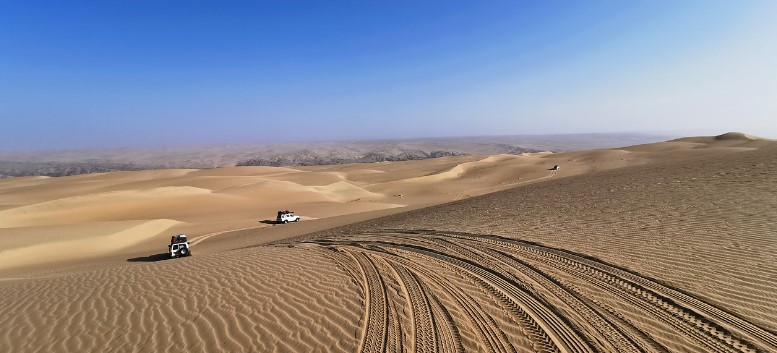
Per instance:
(475,292)
(205,237)
(375,323)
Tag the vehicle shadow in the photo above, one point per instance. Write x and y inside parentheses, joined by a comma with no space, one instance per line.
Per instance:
(269,221)
(150,258)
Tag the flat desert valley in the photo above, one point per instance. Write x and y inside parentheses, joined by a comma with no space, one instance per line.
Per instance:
(664,247)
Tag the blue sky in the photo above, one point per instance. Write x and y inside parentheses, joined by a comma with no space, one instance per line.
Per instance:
(79,74)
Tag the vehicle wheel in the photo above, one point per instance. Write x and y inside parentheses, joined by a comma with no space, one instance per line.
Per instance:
(184,252)
(296,220)
(285,221)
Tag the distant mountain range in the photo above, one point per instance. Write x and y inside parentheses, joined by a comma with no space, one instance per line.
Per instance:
(306,158)
(72,162)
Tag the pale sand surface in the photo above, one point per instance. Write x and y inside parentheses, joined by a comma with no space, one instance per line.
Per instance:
(666,247)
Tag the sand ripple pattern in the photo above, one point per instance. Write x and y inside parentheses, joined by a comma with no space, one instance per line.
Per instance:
(251,300)
(437,291)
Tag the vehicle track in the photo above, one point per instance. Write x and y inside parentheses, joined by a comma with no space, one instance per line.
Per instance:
(453,292)
(375,332)
(679,305)
(423,325)
(205,237)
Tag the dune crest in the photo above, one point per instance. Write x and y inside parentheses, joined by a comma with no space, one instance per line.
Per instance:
(461,169)
(736,136)
(343,191)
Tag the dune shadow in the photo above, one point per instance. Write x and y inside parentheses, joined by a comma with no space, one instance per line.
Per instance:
(150,258)
(269,221)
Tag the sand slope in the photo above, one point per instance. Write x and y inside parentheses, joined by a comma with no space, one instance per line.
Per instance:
(654,248)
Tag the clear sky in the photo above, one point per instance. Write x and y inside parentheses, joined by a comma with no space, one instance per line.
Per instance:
(77,74)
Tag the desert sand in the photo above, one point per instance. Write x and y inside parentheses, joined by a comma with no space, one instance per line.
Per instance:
(666,247)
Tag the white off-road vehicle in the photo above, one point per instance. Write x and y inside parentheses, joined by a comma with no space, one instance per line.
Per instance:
(179,246)
(287,217)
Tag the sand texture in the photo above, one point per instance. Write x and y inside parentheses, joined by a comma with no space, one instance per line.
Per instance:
(667,247)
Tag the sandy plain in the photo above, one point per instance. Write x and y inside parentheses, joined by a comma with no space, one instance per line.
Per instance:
(667,247)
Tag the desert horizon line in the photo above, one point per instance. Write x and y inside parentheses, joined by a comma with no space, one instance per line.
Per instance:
(244,142)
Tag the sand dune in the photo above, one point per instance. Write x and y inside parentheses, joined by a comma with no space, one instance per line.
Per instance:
(80,248)
(94,207)
(461,169)
(656,248)
(235,198)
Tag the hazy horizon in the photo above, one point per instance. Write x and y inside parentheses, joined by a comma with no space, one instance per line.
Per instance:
(82,75)
(96,160)
(605,136)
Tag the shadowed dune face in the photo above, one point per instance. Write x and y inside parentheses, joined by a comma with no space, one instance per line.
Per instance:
(656,248)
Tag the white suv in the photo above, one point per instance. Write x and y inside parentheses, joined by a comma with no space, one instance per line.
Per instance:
(179,250)
(287,217)
(179,246)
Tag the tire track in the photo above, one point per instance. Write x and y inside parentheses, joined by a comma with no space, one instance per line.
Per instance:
(535,317)
(491,336)
(449,336)
(614,339)
(424,338)
(205,237)
(375,332)
(520,302)
(466,291)
(663,298)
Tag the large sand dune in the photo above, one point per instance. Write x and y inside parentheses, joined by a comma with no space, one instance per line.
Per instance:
(666,247)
